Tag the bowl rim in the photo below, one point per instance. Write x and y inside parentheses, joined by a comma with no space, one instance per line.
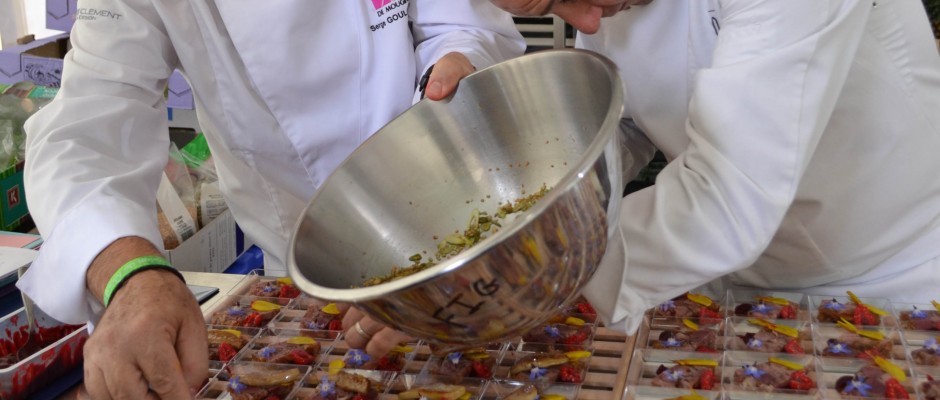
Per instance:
(567,181)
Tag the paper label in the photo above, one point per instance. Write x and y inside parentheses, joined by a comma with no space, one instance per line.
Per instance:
(210,202)
(175,211)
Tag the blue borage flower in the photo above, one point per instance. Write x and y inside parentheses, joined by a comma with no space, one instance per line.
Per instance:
(931,344)
(834,305)
(356,358)
(236,311)
(268,288)
(667,305)
(672,342)
(553,331)
(537,373)
(755,343)
(326,387)
(455,357)
(858,385)
(236,386)
(751,370)
(761,308)
(918,314)
(266,351)
(839,348)
(315,325)
(674,376)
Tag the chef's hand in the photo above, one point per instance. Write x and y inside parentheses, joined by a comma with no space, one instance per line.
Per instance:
(376,338)
(151,342)
(447,72)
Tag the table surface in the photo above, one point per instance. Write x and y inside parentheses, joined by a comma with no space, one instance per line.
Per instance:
(607,370)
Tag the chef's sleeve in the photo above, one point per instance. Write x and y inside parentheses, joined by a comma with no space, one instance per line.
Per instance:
(755,118)
(95,154)
(476,28)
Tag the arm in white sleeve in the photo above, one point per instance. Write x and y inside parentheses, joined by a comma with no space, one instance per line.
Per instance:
(95,154)
(755,118)
(476,28)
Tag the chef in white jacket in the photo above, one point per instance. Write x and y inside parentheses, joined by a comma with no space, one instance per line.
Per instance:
(284,91)
(803,139)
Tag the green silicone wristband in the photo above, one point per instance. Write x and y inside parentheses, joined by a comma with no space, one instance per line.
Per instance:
(131,268)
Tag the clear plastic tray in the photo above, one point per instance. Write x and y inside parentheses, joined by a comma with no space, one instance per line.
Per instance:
(766,304)
(44,366)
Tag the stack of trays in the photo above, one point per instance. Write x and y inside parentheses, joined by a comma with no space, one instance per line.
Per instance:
(267,338)
(763,344)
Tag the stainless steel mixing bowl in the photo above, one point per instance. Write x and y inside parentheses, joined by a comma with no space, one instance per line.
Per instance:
(547,118)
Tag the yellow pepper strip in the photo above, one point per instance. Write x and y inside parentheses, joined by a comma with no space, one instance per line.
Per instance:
(774,300)
(698,363)
(331,309)
(285,280)
(336,366)
(851,328)
(891,368)
(789,364)
(873,309)
(692,396)
(574,321)
(689,324)
(264,306)
(545,397)
(697,298)
(935,305)
(301,340)
(402,349)
(232,331)
(577,354)
(465,396)
(784,330)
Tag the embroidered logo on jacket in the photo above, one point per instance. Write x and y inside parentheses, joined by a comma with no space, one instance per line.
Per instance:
(391,10)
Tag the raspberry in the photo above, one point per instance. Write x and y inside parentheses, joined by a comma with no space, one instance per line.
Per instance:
(787,312)
(301,357)
(705,349)
(587,309)
(705,312)
(800,381)
(794,347)
(576,338)
(387,364)
(707,380)
(894,390)
(864,316)
(335,325)
(481,370)
(253,320)
(289,292)
(226,352)
(567,373)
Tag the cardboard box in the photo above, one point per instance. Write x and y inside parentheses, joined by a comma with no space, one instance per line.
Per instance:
(212,249)
(13,210)
(60,14)
(39,61)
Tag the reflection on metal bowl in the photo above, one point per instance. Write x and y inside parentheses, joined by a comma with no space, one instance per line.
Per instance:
(547,118)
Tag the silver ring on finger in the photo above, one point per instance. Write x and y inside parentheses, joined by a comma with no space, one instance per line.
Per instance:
(362,332)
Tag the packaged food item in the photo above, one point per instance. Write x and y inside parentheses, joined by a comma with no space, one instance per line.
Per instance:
(928,354)
(848,341)
(752,334)
(254,381)
(879,379)
(280,287)
(226,342)
(853,309)
(686,334)
(781,374)
(689,305)
(699,374)
(470,363)
(300,350)
(920,317)
(549,367)
(766,305)
(247,311)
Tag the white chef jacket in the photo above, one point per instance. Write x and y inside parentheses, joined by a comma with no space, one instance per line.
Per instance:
(284,91)
(804,146)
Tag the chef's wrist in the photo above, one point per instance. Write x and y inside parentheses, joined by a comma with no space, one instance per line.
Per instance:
(111,259)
